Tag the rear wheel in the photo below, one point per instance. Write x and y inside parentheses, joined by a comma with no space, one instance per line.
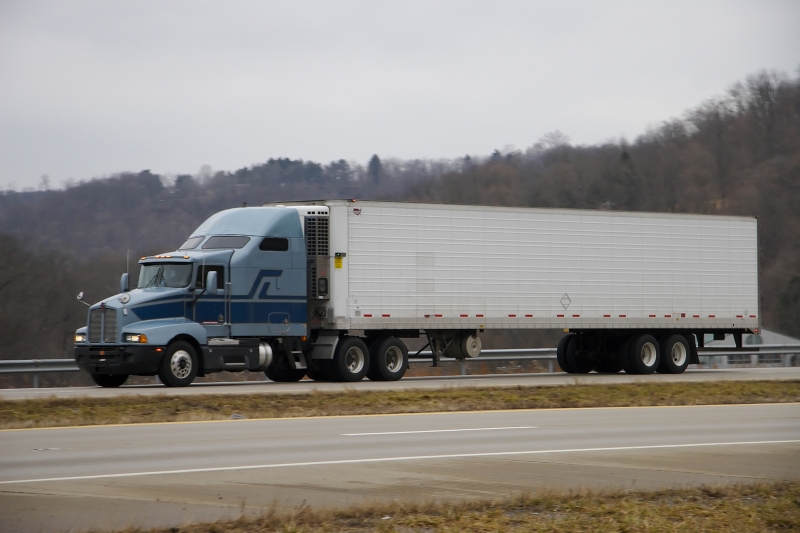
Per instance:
(622,355)
(318,371)
(109,380)
(561,353)
(607,365)
(643,354)
(674,355)
(388,359)
(578,363)
(351,360)
(179,365)
(284,373)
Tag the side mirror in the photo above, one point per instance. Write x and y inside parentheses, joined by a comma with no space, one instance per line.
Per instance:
(123,283)
(80,299)
(211,283)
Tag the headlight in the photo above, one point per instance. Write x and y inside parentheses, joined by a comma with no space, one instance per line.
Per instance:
(135,337)
(80,337)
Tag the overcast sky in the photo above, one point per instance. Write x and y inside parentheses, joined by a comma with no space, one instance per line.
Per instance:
(90,88)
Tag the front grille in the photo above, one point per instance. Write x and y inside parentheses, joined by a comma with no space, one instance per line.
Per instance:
(110,327)
(95,325)
(100,331)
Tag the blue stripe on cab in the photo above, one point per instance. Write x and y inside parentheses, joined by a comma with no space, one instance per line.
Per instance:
(165,310)
(258,313)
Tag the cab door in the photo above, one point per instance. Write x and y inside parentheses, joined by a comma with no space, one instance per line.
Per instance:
(212,311)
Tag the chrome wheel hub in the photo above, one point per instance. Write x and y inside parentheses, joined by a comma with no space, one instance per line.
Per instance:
(394,359)
(180,364)
(354,360)
(648,354)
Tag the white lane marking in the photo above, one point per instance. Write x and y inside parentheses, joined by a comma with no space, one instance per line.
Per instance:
(401,458)
(435,431)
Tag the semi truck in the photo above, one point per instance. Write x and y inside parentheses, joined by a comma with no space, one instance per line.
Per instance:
(330,290)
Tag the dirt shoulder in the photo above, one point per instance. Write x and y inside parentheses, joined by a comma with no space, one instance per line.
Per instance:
(745,508)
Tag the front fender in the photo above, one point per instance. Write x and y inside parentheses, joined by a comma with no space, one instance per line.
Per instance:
(160,331)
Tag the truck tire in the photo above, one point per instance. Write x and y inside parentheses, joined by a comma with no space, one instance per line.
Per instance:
(675,354)
(318,371)
(622,354)
(607,364)
(284,373)
(388,359)
(351,360)
(179,365)
(561,353)
(109,380)
(578,364)
(643,354)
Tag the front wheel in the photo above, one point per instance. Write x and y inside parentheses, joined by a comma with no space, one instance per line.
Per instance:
(109,380)
(179,366)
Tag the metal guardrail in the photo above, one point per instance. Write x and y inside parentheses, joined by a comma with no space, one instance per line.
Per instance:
(37,366)
(549,354)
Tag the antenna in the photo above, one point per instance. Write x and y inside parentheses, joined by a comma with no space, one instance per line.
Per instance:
(128,262)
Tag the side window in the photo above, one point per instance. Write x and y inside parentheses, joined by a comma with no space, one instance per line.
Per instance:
(221,242)
(202,274)
(274,244)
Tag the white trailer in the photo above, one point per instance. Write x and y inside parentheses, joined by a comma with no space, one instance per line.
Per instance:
(632,289)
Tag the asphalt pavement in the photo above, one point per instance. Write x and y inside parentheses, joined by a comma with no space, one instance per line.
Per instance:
(67,479)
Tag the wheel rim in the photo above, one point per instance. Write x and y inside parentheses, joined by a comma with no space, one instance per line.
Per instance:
(648,354)
(180,364)
(354,360)
(394,359)
(678,354)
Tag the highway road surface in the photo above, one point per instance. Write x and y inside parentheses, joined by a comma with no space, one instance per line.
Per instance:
(68,479)
(496,380)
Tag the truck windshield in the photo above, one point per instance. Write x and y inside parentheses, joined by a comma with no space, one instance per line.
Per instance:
(165,275)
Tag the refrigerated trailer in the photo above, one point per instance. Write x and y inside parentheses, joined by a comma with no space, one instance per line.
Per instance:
(328,289)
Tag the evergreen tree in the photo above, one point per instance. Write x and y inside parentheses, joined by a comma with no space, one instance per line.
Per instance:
(375,169)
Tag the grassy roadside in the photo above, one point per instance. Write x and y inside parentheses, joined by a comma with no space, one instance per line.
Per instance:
(751,508)
(53,412)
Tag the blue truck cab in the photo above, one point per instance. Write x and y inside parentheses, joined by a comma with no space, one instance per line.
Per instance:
(232,297)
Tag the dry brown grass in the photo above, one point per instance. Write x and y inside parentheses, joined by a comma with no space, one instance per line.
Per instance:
(51,412)
(746,508)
